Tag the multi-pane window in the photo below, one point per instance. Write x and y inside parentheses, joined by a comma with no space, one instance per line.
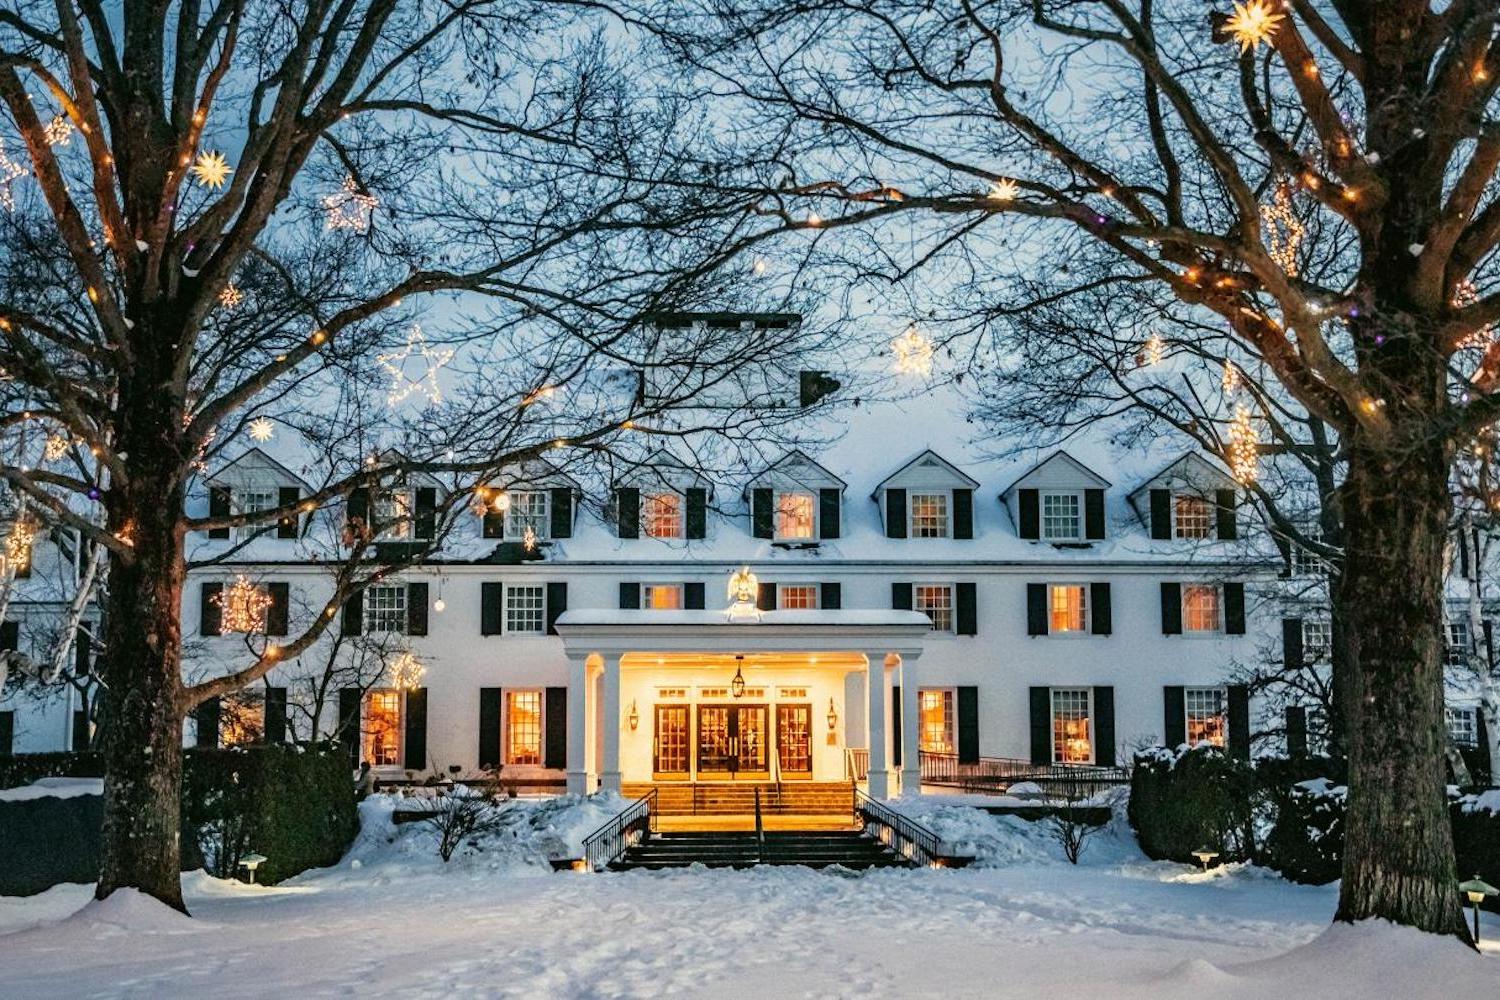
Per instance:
(1458,644)
(1192,516)
(253,500)
(797,596)
(935,600)
(526,609)
(1463,726)
(935,719)
(1317,639)
(523,727)
(382,729)
(1067,607)
(1200,607)
(528,509)
(661,596)
(1305,562)
(796,516)
(385,608)
(1060,516)
(662,515)
(929,515)
(393,513)
(1206,721)
(1072,727)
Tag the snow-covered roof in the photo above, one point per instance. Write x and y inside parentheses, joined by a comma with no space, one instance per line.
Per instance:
(1058,469)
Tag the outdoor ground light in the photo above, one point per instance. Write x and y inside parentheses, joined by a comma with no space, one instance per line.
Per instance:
(250,862)
(1476,889)
(1205,855)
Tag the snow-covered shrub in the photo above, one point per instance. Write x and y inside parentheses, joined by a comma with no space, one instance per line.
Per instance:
(462,815)
(1306,840)
(1190,798)
(1476,838)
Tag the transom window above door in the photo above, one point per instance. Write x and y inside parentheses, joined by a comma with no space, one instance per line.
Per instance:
(1061,517)
(662,515)
(929,514)
(796,516)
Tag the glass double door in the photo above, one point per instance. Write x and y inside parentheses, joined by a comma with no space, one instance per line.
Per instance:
(731,741)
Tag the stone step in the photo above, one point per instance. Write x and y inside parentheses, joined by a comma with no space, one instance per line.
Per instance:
(811,848)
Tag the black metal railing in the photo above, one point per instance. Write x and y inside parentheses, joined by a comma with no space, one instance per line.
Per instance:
(633,824)
(907,837)
(760,831)
(996,774)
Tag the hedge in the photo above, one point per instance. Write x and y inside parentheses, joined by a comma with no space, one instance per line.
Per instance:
(1186,799)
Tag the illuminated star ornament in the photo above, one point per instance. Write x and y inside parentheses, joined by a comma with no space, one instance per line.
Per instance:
(349,207)
(9,171)
(1244,446)
(242,606)
(59,131)
(913,353)
(211,169)
(1004,190)
(230,297)
(427,383)
(56,447)
(262,429)
(1252,23)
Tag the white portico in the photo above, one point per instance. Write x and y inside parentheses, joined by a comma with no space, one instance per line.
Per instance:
(710,696)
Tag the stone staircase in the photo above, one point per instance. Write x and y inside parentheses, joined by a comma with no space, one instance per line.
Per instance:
(801,798)
(812,848)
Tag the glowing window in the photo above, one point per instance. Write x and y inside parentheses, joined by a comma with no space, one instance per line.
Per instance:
(796,515)
(1200,608)
(936,719)
(1067,608)
(382,729)
(661,596)
(1192,518)
(935,600)
(929,515)
(1060,516)
(1072,727)
(523,727)
(662,515)
(385,608)
(1204,710)
(797,597)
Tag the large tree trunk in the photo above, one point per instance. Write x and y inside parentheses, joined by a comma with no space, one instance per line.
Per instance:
(1398,846)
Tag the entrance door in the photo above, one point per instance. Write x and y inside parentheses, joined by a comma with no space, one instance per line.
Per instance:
(670,751)
(732,739)
(794,740)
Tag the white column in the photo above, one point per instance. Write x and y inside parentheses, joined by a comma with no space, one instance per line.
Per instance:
(609,774)
(911,746)
(879,707)
(579,710)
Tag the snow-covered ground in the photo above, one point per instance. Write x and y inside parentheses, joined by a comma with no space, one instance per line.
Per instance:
(392,920)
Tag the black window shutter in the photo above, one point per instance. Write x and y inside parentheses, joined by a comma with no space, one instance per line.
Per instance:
(830,596)
(1239,721)
(1292,653)
(829,512)
(359,506)
(1171,609)
(1174,716)
(349,708)
(562,513)
(278,613)
(415,744)
(10,635)
(489,728)
(630,596)
(556,721)
(275,718)
(206,723)
(1161,513)
(354,614)
(1225,521)
(1296,731)
(1234,608)
(1104,726)
(900,597)
(761,523)
(425,526)
(693,598)
(1030,504)
(286,496)
(1101,615)
(416,609)
(628,511)
(966,609)
(1041,725)
(1489,646)
(765,598)
(80,729)
(210,615)
(1093,514)
(218,506)
(493,525)
(895,513)
(1036,609)
(968,725)
(895,725)
(557,603)
(83,651)
(963,513)
(697,512)
(7,733)
(491,604)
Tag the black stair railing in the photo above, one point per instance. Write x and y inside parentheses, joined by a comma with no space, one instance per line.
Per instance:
(995,774)
(908,838)
(632,825)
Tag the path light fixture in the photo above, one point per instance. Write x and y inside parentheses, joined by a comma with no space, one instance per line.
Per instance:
(1205,856)
(250,862)
(1476,889)
(634,718)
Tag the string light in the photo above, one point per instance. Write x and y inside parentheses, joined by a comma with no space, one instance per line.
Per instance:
(230,297)
(58,132)
(211,169)
(1231,379)
(1252,23)
(9,171)
(1466,294)
(407,671)
(1153,351)
(395,365)
(1004,190)
(349,207)
(242,606)
(18,544)
(913,353)
(1283,231)
(528,539)
(1243,450)
(56,447)
(262,429)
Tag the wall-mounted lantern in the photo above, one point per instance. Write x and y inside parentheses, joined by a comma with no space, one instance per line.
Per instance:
(634,718)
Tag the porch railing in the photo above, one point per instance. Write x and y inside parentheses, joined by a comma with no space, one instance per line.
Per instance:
(857,763)
(634,823)
(907,837)
(996,774)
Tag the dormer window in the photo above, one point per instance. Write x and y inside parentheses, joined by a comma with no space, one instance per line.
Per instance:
(1062,519)
(1192,516)
(253,500)
(929,514)
(393,512)
(796,516)
(662,515)
(527,509)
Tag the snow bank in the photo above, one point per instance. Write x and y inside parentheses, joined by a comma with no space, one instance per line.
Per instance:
(1488,801)
(1002,841)
(53,788)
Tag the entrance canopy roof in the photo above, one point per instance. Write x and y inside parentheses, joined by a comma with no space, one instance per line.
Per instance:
(610,632)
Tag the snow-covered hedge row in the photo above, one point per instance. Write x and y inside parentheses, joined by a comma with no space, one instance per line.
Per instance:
(1192,797)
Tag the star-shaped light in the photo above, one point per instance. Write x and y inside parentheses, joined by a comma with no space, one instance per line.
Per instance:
(211,169)
(262,429)
(1252,23)
(913,353)
(59,131)
(231,297)
(9,171)
(427,384)
(1004,190)
(56,447)
(349,207)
